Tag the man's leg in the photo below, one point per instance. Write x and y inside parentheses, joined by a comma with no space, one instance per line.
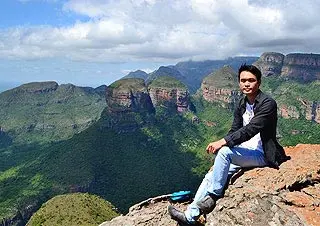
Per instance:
(238,156)
(193,209)
(227,161)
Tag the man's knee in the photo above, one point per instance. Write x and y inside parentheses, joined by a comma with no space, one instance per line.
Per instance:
(225,151)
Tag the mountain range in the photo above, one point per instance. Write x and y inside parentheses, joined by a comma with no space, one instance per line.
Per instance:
(141,136)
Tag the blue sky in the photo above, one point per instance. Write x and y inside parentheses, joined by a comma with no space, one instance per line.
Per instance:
(95,42)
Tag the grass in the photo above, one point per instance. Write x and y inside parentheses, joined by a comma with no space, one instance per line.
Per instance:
(167,82)
(74,209)
(128,83)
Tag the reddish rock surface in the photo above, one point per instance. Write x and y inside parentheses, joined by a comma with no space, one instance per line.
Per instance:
(221,87)
(179,98)
(264,196)
(128,95)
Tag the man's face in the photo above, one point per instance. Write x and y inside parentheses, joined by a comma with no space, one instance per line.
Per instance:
(248,83)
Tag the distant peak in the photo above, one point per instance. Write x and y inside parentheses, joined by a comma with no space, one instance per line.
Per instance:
(38,87)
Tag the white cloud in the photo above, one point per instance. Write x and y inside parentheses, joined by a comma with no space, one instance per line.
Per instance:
(153,30)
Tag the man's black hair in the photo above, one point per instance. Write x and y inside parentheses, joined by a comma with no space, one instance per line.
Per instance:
(250,68)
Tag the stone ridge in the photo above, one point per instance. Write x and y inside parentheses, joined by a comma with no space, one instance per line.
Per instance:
(262,196)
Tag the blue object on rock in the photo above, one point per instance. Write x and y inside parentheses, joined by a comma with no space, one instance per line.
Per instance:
(181,196)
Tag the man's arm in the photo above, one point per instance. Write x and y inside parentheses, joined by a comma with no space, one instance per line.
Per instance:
(267,111)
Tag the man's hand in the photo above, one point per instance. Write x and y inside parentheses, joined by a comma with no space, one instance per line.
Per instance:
(213,147)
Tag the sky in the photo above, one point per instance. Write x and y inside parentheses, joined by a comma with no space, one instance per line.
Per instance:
(96,42)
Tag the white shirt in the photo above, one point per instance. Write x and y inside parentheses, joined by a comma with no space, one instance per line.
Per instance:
(255,142)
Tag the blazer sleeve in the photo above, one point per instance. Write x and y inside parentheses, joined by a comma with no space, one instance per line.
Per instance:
(266,111)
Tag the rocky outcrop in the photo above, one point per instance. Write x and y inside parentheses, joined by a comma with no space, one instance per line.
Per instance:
(221,86)
(312,110)
(169,92)
(302,67)
(270,63)
(128,95)
(262,196)
(132,95)
(126,99)
(296,66)
(170,97)
(289,111)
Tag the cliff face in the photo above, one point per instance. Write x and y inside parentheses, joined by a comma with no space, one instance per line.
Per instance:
(221,87)
(262,196)
(128,95)
(307,109)
(175,98)
(270,63)
(296,66)
(169,91)
(302,67)
(312,110)
(126,98)
(132,95)
(286,111)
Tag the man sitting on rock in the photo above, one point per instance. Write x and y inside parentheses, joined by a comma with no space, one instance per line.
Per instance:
(251,142)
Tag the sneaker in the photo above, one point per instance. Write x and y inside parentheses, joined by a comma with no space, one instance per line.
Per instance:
(207,204)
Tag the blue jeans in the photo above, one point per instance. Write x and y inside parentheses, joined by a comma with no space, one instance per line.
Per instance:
(226,163)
